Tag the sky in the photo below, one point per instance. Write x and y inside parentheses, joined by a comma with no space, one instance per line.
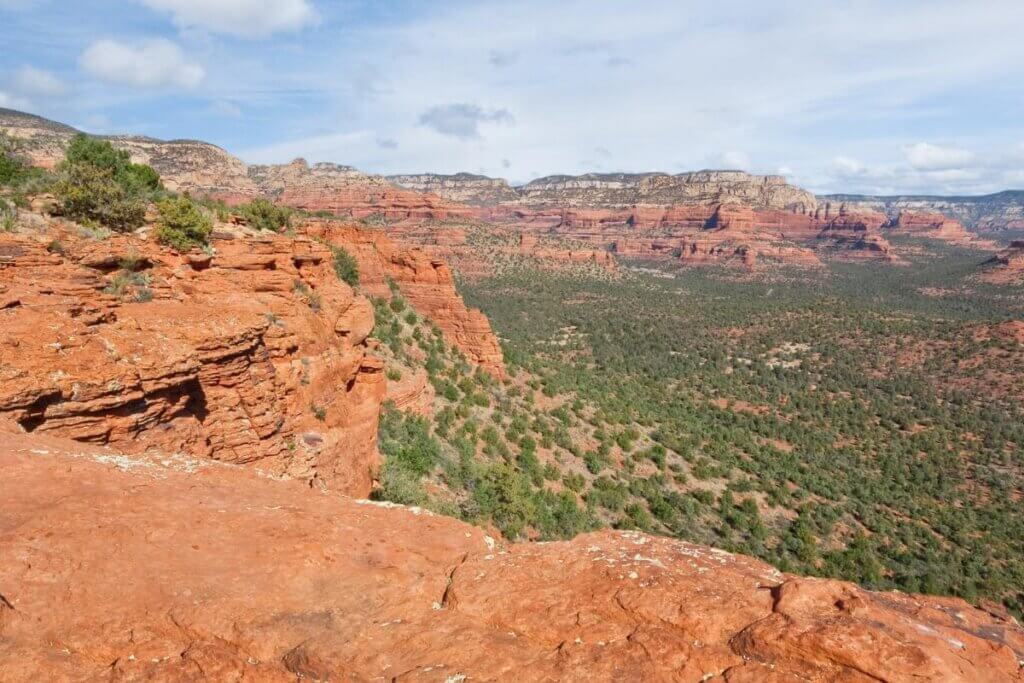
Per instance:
(873,96)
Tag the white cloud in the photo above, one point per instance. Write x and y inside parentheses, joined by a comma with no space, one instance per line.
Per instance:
(846,167)
(927,157)
(731,160)
(151,64)
(858,80)
(38,82)
(461,120)
(9,101)
(247,18)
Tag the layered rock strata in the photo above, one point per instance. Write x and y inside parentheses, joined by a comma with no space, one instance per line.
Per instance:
(425,281)
(255,354)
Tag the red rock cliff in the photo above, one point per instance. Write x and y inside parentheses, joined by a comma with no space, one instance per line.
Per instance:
(426,282)
(255,355)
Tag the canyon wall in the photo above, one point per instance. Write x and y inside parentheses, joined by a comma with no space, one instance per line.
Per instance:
(983,213)
(425,281)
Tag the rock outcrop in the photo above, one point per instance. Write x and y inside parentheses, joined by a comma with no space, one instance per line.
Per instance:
(172,569)
(1006,267)
(932,225)
(618,190)
(467,188)
(983,213)
(254,354)
(344,191)
(412,392)
(426,282)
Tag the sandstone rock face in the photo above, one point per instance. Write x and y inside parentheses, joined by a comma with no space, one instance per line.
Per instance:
(931,224)
(253,355)
(618,190)
(426,283)
(700,187)
(412,392)
(986,213)
(466,188)
(344,191)
(172,569)
(531,247)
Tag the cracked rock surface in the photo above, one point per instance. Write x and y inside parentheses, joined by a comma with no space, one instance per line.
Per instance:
(156,567)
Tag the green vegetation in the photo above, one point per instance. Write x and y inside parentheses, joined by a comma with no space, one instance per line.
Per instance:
(345,266)
(98,185)
(855,423)
(263,214)
(182,224)
(477,451)
(128,283)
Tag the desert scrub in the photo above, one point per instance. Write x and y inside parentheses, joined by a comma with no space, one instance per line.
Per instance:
(8,217)
(345,266)
(182,224)
(127,285)
(263,214)
(303,290)
(98,185)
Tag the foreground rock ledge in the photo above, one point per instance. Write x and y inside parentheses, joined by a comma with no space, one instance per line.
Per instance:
(166,568)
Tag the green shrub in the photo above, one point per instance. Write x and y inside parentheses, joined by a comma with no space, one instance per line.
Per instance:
(129,285)
(99,184)
(406,442)
(92,195)
(182,224)
(137,179)
(263,214)
(345,266)
(8,217)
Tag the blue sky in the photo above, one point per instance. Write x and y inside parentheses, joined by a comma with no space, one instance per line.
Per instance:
(839,95)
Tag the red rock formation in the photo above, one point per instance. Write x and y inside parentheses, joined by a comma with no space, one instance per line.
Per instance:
(863,247)
(170,569)
(413,392)
(931,224)
(1006,267)
(425,282)
(230,359)
(735,217)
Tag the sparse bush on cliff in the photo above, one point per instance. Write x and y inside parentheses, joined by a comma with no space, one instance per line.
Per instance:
(8,216)
(182,224)
(98,184)
(345,266)
(263,214)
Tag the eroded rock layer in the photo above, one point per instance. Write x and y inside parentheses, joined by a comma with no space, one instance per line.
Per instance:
(425,281)
(172,569)
(254,354)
